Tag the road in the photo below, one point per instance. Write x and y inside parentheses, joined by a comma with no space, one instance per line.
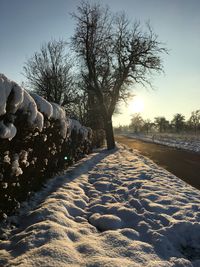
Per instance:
(183,164)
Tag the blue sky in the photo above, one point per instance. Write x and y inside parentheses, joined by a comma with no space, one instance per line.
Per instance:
(27,24)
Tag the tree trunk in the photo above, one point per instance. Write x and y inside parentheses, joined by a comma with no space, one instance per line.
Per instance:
(109,133)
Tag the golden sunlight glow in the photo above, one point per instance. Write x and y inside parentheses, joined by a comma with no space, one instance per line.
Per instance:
(136,105)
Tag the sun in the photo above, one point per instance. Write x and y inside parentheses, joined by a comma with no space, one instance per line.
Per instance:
(136,105)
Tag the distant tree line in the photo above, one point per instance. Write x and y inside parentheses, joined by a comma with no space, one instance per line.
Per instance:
(160,124)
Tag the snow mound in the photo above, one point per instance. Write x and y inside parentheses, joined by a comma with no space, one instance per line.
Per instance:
(5,89)
(113,208)
(14,98)
(7,131)
(105,222)
(43,105)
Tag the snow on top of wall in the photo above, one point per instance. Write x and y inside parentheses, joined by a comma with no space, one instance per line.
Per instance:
(58,112)
(5,89)
(39,121)
(75,125)
(17,98)
(29,107)
(14,98)
(10,88)
(43,105)
(85,132)
(7,131)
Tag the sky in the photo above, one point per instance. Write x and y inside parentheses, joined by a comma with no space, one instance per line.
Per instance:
(26,24)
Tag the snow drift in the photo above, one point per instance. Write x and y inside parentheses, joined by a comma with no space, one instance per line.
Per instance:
(111,209)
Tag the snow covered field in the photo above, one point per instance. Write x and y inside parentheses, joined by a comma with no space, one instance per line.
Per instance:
(111,209)
(186,142)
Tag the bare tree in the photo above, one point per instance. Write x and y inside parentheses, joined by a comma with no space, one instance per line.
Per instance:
(49,74)
(178,122)
(162,124)
(137,123)
(194,120)
(114,55)
(148,125)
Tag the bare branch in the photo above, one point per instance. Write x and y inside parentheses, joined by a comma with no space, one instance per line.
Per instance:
(114,54)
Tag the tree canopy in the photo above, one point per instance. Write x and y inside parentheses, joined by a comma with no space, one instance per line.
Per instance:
(114,54)
(49,73)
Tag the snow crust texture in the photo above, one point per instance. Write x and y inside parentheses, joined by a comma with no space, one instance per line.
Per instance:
(111,209)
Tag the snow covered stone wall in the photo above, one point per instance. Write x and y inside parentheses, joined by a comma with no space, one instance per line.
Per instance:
(36,140)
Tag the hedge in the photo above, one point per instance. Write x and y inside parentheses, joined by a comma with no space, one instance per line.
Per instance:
(36,140)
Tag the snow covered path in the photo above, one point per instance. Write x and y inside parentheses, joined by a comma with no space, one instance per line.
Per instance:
(190,143)
(111,209)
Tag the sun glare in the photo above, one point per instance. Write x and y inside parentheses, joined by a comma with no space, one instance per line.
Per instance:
(136,105)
